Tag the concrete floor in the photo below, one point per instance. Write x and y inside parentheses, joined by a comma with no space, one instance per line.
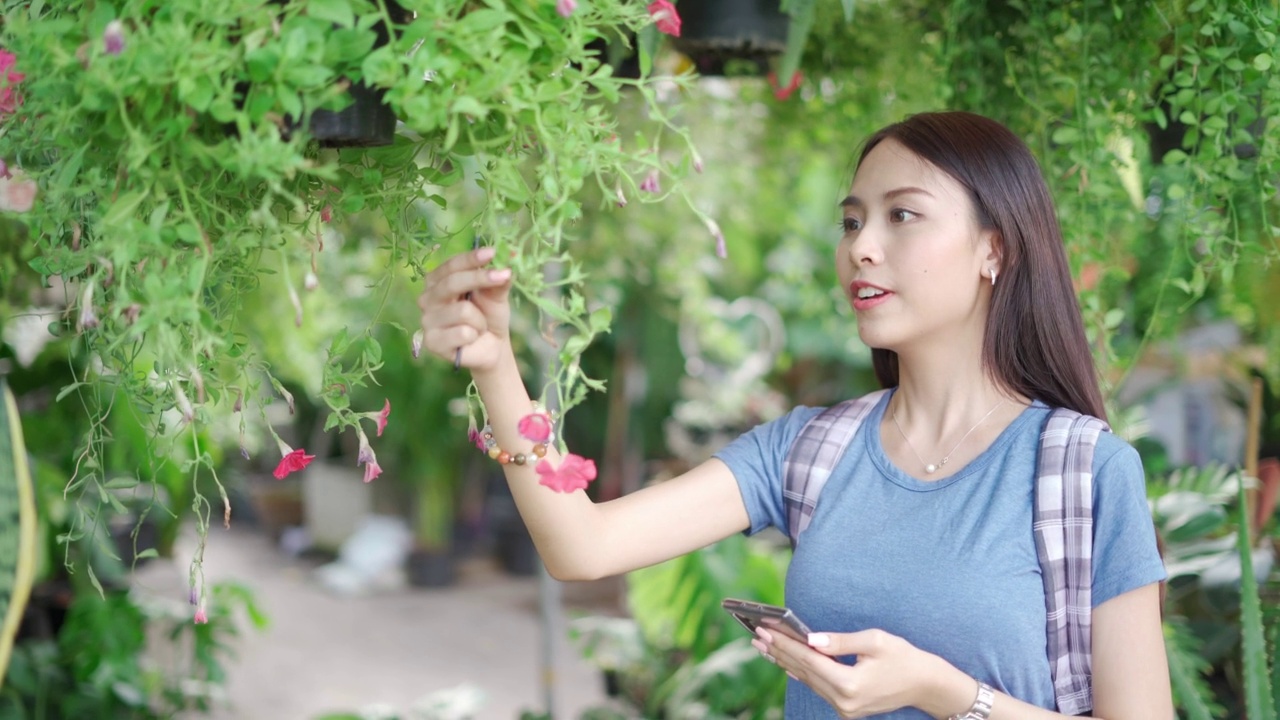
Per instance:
(325,654)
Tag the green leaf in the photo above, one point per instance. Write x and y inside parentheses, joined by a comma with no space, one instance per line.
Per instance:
(124,206)
(337,12)
(1066,135)
(848,9)
(121,482)
(148,553)
(647,40)
(468,105)
(372,351)
(1259,704)
(17,521)
(1262,62)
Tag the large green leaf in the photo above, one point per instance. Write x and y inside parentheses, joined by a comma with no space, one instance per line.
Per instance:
(17,525)
(1259,705)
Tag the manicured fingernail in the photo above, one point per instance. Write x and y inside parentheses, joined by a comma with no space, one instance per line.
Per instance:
(759,646)
(792,676)
(499,275)
(819,639)
(485,254)
(764,635)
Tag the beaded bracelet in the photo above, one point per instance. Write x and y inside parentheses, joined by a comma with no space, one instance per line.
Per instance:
(536,426)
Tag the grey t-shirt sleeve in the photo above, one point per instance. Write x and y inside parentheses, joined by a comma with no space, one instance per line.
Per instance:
(755,458)
(1125,556)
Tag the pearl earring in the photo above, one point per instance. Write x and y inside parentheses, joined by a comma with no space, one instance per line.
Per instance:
(993,277)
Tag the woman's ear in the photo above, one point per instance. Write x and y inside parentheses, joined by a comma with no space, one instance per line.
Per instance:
(989,247)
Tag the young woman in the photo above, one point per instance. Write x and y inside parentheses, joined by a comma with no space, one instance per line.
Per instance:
(919,569)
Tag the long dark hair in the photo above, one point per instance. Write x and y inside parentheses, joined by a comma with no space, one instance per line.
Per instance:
(1034,341)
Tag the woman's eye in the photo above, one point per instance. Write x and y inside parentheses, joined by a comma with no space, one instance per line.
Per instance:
(850,224)
(899,215)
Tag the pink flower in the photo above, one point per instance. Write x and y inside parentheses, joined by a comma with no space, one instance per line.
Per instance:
(201,618)
(476,438)
(371,470)
(9,100)
(17,191)
(113,38)
(88,318)
(574,473)
(622,199)
(665,17)
(293,461)
(714,228)
(535,427)
(382,417)
(565,8)
(369,459)
(697,162)
(650,183)
(326,213)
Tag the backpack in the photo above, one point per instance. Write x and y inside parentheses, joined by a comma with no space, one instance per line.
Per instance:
(1062,523)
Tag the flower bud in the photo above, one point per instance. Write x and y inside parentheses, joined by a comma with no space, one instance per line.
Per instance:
(310,281)
(113,38)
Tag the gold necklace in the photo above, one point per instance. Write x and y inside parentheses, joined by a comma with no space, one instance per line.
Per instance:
(931,467)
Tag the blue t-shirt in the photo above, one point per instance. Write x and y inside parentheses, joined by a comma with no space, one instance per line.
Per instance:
(948,565)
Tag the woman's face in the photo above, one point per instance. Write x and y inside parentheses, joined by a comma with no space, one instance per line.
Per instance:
(913,260)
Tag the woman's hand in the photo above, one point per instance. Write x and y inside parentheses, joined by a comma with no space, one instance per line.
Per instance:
(890,673)
(465,306)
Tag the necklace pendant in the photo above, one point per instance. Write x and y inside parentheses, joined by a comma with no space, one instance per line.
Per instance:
(930,468)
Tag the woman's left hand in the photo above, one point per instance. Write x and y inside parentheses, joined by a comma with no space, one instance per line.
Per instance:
(890,672)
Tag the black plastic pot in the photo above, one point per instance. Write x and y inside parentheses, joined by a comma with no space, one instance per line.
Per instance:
(431,568)
(514,548)
(715,33)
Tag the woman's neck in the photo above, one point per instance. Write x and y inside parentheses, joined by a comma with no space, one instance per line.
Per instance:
(941,395)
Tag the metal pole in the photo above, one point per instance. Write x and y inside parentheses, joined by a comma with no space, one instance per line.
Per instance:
(550,595)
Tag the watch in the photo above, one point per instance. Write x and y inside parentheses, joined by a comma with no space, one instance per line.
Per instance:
(981,709)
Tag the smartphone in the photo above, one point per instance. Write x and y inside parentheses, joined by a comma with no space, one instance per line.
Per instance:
(771,617)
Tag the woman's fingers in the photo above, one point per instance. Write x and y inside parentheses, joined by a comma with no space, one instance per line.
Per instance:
(443,342)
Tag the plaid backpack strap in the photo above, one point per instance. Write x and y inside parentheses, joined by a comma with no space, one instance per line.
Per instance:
(1063,528)
(815,453)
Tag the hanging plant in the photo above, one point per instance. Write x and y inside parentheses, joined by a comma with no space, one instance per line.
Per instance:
(161,160)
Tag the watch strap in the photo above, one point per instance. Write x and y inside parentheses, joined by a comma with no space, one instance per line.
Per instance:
(981,709)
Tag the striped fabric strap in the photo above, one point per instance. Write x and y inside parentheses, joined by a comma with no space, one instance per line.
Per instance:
(1063,528)
(814,454)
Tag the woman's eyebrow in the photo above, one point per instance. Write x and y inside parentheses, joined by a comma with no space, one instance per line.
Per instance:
(855,201)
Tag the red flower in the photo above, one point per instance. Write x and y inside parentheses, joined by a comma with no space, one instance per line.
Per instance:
(293,461)
(665,17)
(782,93)
(476,438)
(201,618)
(574,473)
(382,417)
(535,427)
(326,213)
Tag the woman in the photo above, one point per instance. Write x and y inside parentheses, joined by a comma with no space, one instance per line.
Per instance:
(919,567)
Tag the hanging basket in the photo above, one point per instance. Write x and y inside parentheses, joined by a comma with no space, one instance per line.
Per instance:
(717,33)
(368,121)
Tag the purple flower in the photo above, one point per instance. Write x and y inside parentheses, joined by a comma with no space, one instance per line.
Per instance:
(113,38)
(650,183)
(565,8)
(697,162)
(714,228)
(417,344)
